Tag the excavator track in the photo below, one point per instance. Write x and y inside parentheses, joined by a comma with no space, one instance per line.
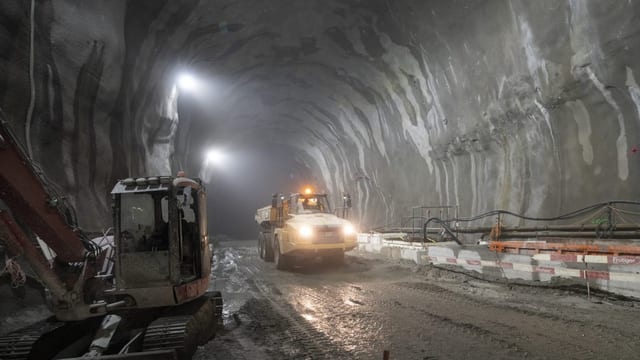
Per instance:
(170,332)
(216,298)
(17,345)
(182,329)
(44,339)
(185,330)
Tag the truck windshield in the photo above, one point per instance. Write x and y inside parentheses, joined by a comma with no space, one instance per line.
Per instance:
(312,204)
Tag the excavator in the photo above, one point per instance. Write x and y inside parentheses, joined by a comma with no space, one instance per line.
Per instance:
(138,293)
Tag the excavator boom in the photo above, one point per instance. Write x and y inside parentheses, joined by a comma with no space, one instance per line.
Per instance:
(23,186)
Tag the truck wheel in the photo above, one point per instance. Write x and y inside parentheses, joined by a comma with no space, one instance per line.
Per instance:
(261,246)
(282,261)
(268,249)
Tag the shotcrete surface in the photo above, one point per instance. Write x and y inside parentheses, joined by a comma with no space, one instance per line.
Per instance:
(530,106)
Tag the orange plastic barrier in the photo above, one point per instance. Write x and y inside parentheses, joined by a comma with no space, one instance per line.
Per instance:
(539,247)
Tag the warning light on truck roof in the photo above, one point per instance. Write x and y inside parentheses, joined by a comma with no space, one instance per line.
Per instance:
(307,191)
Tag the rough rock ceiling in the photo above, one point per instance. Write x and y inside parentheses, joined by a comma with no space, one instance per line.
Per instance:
(531,106)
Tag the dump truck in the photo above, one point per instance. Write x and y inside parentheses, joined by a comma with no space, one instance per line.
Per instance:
(302,226)
(140,292)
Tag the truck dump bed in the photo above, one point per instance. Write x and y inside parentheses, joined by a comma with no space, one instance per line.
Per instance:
(263,215)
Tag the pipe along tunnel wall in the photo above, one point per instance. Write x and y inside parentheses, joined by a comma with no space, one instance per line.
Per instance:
(531,106)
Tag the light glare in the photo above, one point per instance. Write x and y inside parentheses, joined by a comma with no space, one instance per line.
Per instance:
(306,231)
(187,82)
(215,157)
(349,229)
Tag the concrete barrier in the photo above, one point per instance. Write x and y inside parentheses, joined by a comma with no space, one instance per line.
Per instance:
(616,274)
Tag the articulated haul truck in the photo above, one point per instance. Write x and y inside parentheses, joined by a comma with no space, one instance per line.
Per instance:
(302,226)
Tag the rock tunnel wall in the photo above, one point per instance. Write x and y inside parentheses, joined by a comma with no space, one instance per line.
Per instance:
(521,105)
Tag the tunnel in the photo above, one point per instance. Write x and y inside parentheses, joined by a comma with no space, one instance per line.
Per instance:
(532,107)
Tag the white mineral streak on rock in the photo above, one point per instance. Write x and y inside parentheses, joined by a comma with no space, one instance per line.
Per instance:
(446,182)
(379,125)
(455,175)
(535,63)
(363,194)
(346,122)
(438,182)
(378,134)
(621,142)
(400,58)
(501,85)
(158,154)
(473,173)
(354,122)
(583,122)
(376,186)
(453,72)
(321,165)
(584,35)
(547,120)
(634,90)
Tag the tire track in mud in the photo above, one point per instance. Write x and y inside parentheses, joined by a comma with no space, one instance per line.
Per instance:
(271,314)
(413,331)
(359,307)
(527,330)
(475,301)
(367,306)
(340,314)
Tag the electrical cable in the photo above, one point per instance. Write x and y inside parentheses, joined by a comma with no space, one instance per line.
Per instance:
(619,214)
(589,217)
(444,225)
(570,215)
(629,212)
(32,97)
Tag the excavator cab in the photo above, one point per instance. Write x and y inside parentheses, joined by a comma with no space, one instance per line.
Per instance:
(161,240)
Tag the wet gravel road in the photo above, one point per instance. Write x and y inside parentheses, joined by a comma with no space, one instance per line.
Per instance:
(370,305)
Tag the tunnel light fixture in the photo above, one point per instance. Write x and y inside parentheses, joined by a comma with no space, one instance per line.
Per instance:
(188,82)
(215,157)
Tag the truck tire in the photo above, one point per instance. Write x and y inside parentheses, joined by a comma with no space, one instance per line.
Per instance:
(268,248)
(261,246)
(282,261)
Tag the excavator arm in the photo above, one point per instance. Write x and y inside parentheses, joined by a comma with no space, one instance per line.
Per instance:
(22,189)
(25,194)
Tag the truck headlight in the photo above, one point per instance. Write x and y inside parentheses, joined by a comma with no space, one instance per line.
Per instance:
(305,231)
(349,229)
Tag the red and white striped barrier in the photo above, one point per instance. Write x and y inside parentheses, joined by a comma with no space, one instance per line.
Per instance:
(615,273)
(547,269)
(593,259)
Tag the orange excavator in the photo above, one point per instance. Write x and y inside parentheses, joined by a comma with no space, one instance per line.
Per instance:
(139,293)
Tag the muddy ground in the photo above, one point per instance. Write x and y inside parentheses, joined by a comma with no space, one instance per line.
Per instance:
(371,304)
